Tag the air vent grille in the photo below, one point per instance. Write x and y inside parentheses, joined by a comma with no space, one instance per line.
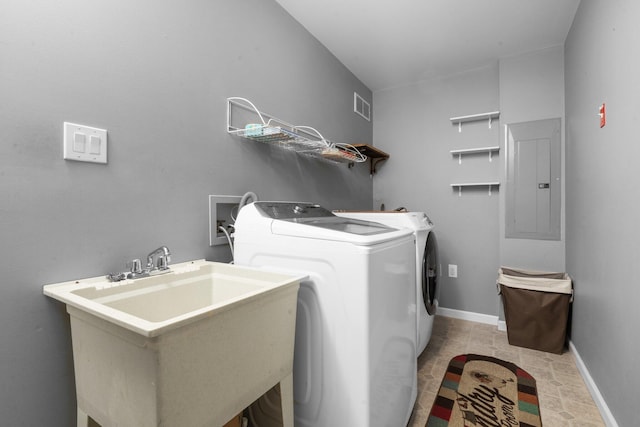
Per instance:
(361,107)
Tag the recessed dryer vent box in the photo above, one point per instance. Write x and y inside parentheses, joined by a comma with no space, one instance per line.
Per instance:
(222,212)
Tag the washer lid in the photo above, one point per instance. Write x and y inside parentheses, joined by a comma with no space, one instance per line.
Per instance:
(313,221)
(291,210)
(345,225)
(413,220)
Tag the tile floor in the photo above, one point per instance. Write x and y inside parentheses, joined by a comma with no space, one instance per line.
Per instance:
(564,398)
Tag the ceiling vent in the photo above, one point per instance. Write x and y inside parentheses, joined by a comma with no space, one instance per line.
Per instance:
(361,107)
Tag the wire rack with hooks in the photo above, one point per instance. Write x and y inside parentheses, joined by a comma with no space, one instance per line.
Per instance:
(245,120)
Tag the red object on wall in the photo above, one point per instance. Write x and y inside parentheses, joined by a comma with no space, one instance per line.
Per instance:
(603,116)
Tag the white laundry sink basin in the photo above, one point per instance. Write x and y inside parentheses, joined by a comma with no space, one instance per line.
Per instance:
(156,304)
(179,349)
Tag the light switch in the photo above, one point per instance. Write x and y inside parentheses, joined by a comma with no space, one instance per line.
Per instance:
(79,142)
(94,144)
(84,143)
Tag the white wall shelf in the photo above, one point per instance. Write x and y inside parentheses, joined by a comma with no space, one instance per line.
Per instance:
(460,185)
(262,127)
(460,152)
(474,118)
(489,150)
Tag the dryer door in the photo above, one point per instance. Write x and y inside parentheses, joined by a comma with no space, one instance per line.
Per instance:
(430,274)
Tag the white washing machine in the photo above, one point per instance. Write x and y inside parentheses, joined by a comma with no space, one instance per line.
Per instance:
(354,361)
(427,265)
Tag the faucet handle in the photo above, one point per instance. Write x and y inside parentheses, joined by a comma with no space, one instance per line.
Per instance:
(135,266)
(163,262)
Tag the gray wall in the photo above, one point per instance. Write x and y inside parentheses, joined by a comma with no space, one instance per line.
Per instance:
(412,124)
(155,74)
(602,64)
(532,88)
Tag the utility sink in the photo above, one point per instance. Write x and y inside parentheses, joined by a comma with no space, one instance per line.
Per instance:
(191,347)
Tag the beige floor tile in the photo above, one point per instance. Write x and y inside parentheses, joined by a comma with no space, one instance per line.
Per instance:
(564,398)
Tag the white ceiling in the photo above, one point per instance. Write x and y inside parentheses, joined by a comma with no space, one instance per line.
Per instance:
(388,43)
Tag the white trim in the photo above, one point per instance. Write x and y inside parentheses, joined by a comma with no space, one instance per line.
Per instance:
(468,315)
(606,414)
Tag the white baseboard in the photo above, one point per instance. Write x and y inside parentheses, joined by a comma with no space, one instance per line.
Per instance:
(467,315)
(606,414)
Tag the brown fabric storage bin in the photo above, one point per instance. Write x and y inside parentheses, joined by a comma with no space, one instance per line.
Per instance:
(536,308)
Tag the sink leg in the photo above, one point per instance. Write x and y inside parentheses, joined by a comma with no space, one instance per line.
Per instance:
(286,397)
(83,419)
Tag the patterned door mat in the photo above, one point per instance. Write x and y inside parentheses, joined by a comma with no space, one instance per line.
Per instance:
(484,391)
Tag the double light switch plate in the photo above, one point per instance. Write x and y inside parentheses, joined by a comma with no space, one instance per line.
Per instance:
(84,143)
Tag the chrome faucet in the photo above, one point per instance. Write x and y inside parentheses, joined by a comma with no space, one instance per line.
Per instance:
(164,256)
(136,271)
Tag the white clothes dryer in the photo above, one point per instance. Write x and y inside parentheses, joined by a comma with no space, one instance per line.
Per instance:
(427,264)
(354,357)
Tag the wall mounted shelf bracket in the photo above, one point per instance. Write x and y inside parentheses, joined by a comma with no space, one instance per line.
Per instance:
(374,154)
(475,184)
(474,118)
(489,150)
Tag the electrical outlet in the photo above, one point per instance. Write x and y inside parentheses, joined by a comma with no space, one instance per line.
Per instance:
(222,211)
(453,270)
